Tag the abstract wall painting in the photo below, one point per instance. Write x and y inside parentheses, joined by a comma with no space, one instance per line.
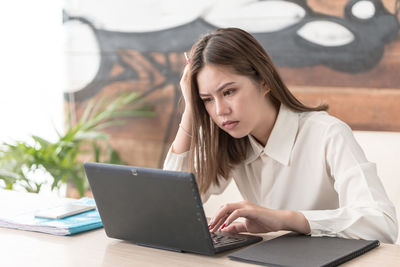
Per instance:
(345,53)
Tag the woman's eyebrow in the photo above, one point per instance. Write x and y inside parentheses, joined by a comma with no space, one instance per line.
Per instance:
(219,88)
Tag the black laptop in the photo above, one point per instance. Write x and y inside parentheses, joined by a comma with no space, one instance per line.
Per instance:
(156,208)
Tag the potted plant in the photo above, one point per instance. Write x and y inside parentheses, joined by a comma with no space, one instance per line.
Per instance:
(62,159)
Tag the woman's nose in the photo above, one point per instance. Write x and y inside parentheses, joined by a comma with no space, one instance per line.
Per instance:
(222,108)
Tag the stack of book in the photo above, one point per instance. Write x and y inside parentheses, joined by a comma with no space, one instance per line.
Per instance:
(66,226)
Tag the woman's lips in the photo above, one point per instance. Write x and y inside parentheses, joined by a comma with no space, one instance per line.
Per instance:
(229,125)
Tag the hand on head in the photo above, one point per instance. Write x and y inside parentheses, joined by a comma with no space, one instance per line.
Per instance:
(184,86)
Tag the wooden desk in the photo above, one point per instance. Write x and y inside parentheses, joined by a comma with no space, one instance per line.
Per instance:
(94,248)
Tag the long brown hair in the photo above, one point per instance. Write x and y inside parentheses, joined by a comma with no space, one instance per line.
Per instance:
(213,152)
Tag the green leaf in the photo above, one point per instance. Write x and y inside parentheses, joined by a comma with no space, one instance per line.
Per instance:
(91,135)
(9,174)
(97,151)
(86,112)
(62,159)
(109,124)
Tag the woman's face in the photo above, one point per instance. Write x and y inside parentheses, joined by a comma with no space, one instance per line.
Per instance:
(236,103)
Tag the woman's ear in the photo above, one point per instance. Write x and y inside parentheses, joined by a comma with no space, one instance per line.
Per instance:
(265,88)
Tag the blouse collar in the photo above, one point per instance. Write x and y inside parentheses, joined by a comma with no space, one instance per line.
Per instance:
(281,140)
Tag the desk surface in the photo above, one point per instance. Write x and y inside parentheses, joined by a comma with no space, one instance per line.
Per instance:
(94,248)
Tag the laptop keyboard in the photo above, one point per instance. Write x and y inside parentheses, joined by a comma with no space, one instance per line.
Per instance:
(221,240)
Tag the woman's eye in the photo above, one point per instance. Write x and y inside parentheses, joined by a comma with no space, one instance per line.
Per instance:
(205,100)
(229,92)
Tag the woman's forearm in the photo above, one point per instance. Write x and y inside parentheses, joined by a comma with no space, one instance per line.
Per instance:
(295,221)
(183,137)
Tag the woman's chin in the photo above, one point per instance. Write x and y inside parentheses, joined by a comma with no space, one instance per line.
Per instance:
(236,135)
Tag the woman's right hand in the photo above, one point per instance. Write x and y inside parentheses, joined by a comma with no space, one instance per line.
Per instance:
(183,137)
(258,219)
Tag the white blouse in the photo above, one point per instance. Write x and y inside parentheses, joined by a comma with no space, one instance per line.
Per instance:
(312,164)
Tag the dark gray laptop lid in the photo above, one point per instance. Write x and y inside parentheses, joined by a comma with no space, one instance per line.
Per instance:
(149,206)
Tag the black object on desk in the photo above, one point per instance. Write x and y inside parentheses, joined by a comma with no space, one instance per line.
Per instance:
(302,250)
(156,208)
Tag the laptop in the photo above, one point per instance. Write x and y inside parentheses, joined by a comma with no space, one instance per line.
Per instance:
(156,208)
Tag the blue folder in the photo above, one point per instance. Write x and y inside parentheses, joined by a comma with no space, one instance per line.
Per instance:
(67,226)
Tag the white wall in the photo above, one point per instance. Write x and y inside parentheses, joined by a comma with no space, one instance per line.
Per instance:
(383,148)
(31,67)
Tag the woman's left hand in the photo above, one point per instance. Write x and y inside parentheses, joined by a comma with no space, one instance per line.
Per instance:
(257,219)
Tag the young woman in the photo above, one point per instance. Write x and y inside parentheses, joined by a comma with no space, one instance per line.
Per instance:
(297,167)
